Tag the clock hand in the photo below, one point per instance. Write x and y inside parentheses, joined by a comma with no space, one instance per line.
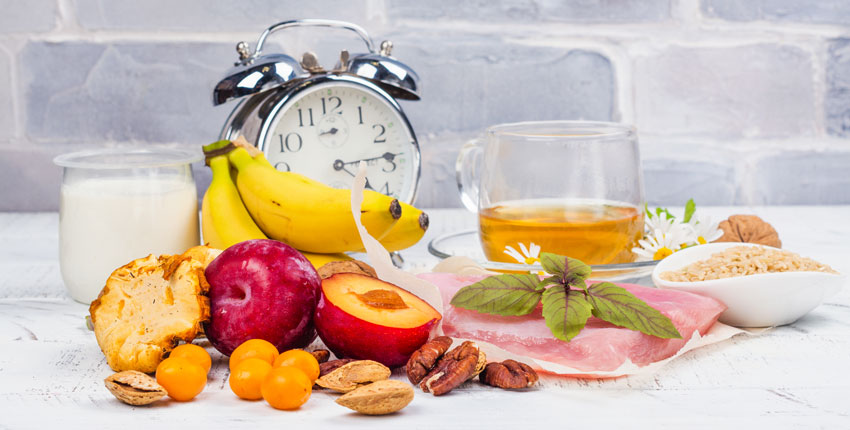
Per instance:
(341,165)
(333,130)
(389,156)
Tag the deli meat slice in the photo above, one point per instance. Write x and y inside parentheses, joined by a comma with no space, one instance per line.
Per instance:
(600,347)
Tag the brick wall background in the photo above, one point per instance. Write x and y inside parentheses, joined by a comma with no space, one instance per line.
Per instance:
(736,102)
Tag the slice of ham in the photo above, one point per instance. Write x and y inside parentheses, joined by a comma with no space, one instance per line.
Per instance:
(600,347)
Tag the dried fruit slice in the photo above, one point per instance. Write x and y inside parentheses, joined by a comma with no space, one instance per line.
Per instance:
(148,305)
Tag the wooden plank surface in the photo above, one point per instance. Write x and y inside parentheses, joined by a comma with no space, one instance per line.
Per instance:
(51,369)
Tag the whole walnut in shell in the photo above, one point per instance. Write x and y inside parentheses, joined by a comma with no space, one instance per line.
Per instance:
(749,229)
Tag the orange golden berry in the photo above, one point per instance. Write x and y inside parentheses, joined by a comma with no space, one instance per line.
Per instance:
(286,388)
(300,359)
(254,348)
(181,378)
(195,354)
(247,377)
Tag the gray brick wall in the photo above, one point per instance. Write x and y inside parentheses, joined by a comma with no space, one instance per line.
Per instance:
(736,102)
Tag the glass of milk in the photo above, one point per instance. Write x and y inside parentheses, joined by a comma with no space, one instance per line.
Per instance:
(118,205)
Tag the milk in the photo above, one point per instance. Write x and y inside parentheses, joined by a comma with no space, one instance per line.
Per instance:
(107,222)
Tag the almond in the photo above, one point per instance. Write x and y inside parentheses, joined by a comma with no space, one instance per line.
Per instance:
(378,398)
(134,388)
(352,375)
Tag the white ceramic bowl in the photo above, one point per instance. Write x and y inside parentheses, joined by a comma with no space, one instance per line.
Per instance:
(762,300)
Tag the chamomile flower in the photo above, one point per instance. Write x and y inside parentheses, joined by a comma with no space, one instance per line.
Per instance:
(705,231)
(529,255)
(660,223)
(659,245)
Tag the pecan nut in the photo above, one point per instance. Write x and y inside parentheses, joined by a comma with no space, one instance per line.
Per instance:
(509,374)
(453,369)
(424,359)
(321,355)
(749,229)
(330,366)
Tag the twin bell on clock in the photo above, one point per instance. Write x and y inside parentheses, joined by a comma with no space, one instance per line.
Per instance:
(323,122)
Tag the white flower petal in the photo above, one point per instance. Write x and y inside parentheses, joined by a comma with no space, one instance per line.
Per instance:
(524,249)
(514,254)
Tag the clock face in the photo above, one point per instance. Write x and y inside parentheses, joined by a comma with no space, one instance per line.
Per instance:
(324,131)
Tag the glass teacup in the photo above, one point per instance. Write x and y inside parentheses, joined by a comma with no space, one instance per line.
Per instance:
(573,188)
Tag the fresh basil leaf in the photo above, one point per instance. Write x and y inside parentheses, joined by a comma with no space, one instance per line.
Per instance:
(501,295)
(553,263)
(620,307)
(579,283)
(646,210)
(569,269)
(690,208)
(565,311)
(554,279)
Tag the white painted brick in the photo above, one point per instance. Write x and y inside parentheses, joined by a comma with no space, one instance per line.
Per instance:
(30,16)
(123,92)
(29,181)
(470,82)
(7,116)
(210,16)
(438,186)
(532,11)
(760,90)
(805,11)
(838,88)
(801,177)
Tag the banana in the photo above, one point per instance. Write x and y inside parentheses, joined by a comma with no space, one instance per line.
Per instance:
(320,260)
(407,231)
(224,219)
(305,214)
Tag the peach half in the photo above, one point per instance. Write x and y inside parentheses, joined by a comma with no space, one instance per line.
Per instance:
(365,318)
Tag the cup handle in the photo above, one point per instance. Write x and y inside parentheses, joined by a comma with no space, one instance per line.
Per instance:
(468,173)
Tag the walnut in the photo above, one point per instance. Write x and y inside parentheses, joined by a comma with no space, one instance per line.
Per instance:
(321,355)
(347,266)
(749,229)
(509,374)
(330,366)
(424,359)
(454,368)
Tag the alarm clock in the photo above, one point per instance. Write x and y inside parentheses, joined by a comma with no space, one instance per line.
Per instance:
(323,123)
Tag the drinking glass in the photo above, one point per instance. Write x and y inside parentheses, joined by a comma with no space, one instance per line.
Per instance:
(117,205)
(573,188)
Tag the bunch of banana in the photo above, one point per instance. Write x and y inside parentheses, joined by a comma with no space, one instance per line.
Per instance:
(249,199)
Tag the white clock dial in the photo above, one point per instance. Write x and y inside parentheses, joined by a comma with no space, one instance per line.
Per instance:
(326,130)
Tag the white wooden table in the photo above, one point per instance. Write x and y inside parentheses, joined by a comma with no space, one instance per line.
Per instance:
(51,369)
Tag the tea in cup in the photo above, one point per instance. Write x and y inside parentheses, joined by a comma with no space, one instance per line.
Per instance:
(567,187)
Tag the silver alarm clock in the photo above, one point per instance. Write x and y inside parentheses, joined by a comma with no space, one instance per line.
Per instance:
(323,123)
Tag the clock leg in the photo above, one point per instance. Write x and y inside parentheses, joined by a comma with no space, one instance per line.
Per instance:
(397,260)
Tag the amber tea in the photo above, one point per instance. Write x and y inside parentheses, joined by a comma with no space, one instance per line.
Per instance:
(596,232)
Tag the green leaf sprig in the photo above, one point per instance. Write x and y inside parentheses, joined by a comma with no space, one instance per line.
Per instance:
(568,301)
(690,208)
